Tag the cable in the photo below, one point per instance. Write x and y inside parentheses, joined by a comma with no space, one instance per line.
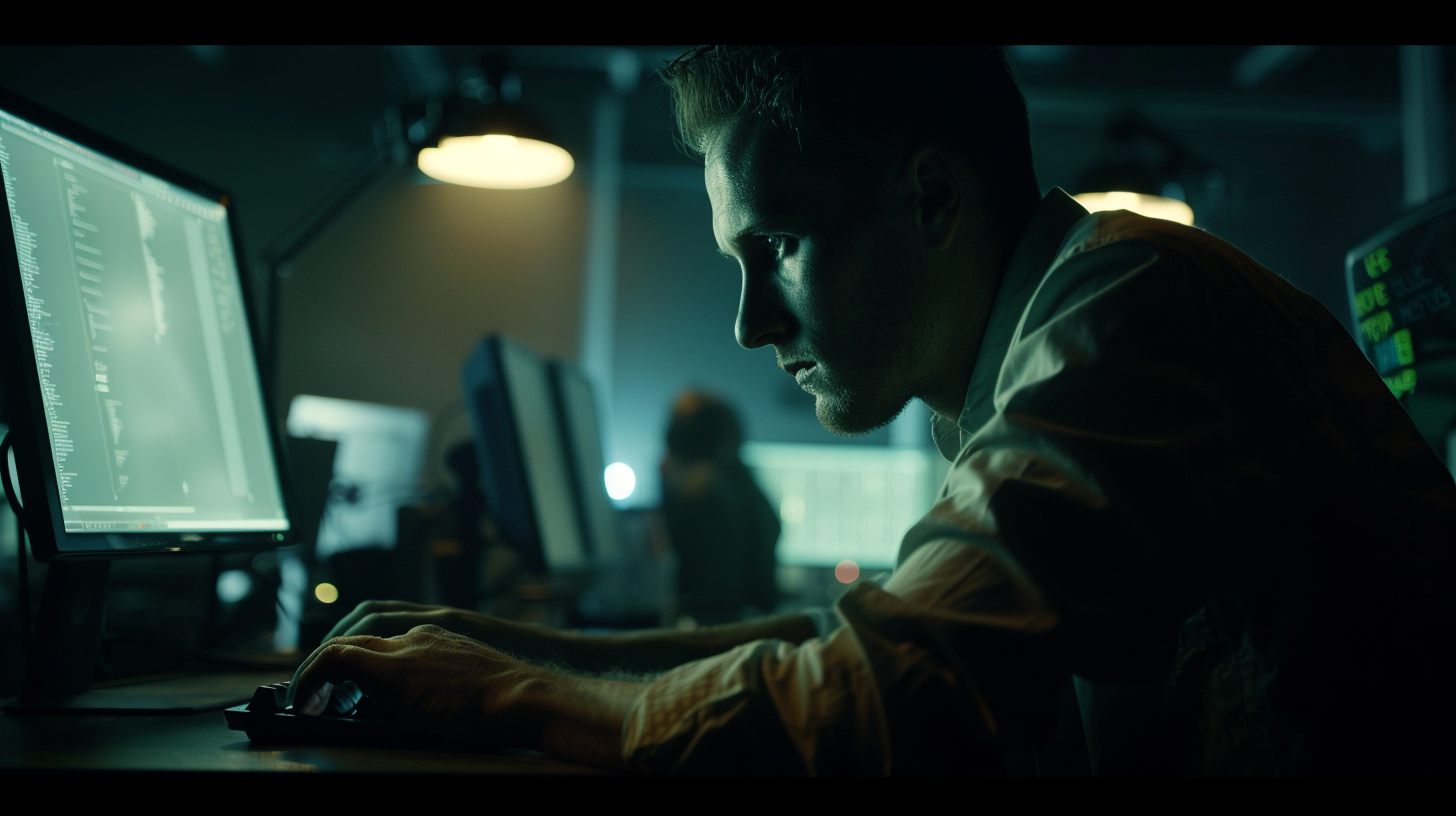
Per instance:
(23,569)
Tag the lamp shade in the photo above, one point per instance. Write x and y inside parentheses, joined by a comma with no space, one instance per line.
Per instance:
(1152,206)
(496,160)
(499,145)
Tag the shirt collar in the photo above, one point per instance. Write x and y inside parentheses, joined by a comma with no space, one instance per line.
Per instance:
(1034,254)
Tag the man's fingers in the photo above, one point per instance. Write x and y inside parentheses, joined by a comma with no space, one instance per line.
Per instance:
(364,610)
(356,615)
(335,662)
(385,624)
(300,692)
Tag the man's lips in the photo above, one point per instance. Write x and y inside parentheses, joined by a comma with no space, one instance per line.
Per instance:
(799,371)
(793,369)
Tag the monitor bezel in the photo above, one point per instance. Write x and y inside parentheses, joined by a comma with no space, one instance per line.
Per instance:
(20,382)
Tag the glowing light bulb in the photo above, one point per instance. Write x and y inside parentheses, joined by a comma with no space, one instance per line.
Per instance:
(327,593)
(502,162)
(621,481)
(1168,209)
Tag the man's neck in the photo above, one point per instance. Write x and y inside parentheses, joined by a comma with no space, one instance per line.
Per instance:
(959,339)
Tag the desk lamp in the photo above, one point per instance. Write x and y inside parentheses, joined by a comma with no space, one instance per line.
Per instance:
(481,136)
(490,140)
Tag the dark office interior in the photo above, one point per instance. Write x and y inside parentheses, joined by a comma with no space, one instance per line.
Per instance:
(448,373)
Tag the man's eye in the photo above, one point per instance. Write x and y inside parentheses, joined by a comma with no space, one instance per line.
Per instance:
(777,244)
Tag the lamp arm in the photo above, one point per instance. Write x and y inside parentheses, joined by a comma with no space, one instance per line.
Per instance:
(277,260)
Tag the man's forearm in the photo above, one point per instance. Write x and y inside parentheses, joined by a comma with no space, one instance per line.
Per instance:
(649,650)
(581,719)
(654,650)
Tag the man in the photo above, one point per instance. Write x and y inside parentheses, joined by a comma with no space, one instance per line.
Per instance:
(1174,477)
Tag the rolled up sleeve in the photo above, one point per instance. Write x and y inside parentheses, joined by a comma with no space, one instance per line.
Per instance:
(889,691)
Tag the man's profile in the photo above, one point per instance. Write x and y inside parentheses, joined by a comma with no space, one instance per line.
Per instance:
(1163,463)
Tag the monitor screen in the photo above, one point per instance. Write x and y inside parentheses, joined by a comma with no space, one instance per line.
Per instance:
(142,353)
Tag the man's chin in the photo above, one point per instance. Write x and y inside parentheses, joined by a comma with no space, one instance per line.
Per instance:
(847,417)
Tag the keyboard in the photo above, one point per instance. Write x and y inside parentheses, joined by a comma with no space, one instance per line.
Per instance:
(267,721)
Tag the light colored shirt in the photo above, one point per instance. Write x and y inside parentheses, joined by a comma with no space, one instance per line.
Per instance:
(1169,466)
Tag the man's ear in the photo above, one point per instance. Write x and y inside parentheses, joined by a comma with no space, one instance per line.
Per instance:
(939,197)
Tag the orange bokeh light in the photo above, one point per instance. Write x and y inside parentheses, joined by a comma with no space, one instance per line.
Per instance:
(846,572)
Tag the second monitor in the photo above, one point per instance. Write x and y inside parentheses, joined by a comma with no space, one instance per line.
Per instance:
(525,463)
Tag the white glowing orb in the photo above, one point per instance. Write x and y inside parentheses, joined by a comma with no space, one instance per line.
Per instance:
(233,586)
(1168,209)
(502,162)
(621,481)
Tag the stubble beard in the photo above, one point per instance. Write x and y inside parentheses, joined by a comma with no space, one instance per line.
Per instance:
(868,381)
(857,405)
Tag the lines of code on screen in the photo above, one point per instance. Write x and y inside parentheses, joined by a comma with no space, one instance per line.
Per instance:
(147,376)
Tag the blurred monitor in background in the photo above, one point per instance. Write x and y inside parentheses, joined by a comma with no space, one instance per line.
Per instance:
(722,526)
(843,503)
(1401,284)
(581,430)
(381,451)
(525,469)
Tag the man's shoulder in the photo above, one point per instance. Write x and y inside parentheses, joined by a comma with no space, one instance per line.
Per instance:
(1105,249)
(1100,229)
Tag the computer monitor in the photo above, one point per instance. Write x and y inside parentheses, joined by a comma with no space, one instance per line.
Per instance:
(137,414)
(525,473)
(376,470)
(581,430)
(1401,284)
(843,502)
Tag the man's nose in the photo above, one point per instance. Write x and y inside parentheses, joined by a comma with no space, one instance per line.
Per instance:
(762,316)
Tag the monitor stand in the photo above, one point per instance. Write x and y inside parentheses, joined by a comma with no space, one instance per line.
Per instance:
(67,642)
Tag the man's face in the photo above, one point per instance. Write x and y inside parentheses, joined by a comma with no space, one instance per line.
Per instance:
(831,274)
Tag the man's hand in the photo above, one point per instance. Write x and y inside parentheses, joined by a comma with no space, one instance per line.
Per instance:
(456,686)
(386,619)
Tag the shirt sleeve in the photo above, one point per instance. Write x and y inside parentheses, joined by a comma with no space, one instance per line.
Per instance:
(887,692)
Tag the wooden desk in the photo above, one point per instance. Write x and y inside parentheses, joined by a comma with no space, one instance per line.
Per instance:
(72,743)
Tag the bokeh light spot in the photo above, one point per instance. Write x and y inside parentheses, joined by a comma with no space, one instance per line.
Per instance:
(846,572)
(621,481)
(233,586)
(328,593)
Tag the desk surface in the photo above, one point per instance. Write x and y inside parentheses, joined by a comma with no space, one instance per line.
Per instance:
(203,742)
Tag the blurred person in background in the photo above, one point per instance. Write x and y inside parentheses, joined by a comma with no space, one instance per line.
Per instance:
(722,527)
